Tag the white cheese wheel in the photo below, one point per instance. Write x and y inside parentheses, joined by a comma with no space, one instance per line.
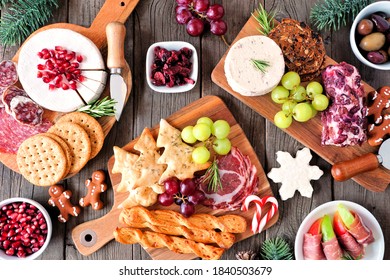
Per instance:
(243,77)
(58,99)
(95,82)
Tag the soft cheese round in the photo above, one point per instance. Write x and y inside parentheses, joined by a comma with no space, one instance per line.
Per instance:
(58,99)
(243,77)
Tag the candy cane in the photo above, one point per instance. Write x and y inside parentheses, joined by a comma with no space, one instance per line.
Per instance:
(270,213)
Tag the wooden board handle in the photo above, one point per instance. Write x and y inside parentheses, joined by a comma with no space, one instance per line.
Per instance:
(116,33)
(345,170)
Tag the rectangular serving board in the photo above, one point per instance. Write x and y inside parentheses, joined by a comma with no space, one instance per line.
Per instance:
(308,133)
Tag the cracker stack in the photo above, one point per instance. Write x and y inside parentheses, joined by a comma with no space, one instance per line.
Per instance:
(46,158)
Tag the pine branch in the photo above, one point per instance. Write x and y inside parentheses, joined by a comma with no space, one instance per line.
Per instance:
(24,17)
(276,249)
(4,2)
(333,14)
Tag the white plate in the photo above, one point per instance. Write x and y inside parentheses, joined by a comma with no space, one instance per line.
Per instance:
(374,251)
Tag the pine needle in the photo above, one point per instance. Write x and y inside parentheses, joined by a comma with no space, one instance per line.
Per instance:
(4,2)
(276,249)
(333,14)
(23,18)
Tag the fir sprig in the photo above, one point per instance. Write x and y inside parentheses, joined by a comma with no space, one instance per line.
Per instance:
(260,65)
(99,108)
(265,20)
(276,249)
(332,14)
(23,18)
(4,2)
(212,178)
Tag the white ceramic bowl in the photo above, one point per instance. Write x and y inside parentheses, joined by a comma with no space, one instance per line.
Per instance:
(373,251)
(35,255)
(172,45)
(382,6)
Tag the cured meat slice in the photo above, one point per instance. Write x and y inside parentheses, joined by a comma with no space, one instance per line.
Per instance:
(9,94)
(13,133)
(362,234)
(26,111)
(239,179)
(344,123)
(8,73)
(332,249)
(1,97)
(348,242)
(312,248)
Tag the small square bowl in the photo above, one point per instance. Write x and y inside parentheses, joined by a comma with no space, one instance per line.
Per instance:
(172,45)
(37,206)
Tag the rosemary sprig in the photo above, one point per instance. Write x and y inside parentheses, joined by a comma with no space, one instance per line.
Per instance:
(260,65)
(99,108)
(212,178)
(265,20)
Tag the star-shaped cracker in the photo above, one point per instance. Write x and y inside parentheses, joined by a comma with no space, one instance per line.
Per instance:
(295,173)
(177,155)
(124,163)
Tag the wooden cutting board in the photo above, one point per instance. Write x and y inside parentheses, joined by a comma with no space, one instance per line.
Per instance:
(111,10)
(90,236)
(308,133)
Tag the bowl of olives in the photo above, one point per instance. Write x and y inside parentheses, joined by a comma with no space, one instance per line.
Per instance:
(370,35)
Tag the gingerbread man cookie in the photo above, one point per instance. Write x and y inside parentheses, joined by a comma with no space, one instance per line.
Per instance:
(95,186)
(379,128)
(61,199)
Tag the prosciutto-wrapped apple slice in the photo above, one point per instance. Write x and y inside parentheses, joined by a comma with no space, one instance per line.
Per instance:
(312,248)
(330,245)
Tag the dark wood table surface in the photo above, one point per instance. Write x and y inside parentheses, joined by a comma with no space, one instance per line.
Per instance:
(153,21)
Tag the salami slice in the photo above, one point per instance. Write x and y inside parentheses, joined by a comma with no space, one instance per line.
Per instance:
(9,94)
(1,97)
(8,73)
(26,111)
(13,133)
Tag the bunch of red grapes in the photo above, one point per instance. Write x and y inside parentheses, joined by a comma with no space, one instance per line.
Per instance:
(198,15)
(184,193)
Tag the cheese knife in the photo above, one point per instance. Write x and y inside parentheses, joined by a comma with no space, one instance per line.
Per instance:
(116,32)
(345,170)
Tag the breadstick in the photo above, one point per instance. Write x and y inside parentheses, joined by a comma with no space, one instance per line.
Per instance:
(149,239)
(169,218)
(222,239)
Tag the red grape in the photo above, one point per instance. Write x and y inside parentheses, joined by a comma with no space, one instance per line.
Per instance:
(178,9)
(215,12)
(183,2)
(187,187)
(187,209)
(172,186)
(183,16)
(201,5)
(195,27)
(165,199)
(196,197)
(218,27)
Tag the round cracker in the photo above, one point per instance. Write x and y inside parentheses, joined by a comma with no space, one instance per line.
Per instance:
(78,141)
(41,160)
(91,126)
(64,146)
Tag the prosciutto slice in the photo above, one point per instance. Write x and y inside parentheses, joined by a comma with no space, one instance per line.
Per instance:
(312,248)
(362,234)
(332,249)
(348,242)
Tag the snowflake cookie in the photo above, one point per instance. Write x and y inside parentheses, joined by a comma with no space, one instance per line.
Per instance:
(295,173)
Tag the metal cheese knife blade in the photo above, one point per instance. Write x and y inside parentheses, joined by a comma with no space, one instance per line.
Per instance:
(344,170)
(116,62)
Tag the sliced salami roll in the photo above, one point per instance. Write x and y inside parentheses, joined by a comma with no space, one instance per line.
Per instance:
(332,249)
(349,243)
(9,94)
(8,73)
(26,111)
(312,248)
(360,231)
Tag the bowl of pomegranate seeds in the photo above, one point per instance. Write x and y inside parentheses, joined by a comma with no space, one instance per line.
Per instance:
(171,66)
(25,229)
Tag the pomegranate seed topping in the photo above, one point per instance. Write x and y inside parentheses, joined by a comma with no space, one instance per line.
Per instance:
(64,86)
(52,87)
(79,58)
(10,252)
(41,67)
(58,48)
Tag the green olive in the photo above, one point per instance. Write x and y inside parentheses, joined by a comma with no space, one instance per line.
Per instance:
(373,41)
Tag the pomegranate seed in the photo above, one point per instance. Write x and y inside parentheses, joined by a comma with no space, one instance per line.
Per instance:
(40,54)
(46,56)
(11,233)
(10,252)
(39,74)
(58,48)
(52,87)
(81,78)
(75,64)
(16,244)
(21,253)
(6,244)
(64,86)
(41,67)
(46,80)
(73,86)
(79,58)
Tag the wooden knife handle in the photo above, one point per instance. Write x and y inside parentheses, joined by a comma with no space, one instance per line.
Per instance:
(345,170)
(116,33)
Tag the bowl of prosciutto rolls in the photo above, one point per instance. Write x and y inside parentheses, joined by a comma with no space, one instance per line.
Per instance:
(339,230)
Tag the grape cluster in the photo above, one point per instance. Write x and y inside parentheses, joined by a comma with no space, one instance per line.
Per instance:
(198,15)
(206,130)
(299,103)
(184,193)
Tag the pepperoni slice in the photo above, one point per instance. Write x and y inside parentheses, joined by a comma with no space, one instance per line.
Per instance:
(8,73)
(9,94)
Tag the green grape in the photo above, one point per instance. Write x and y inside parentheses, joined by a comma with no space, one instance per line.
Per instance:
(206,120)
(320,102)
(282,120)
(222,146)
(313,111)
(279,94)
(302,112)
(200,155)
(201,131)
(291,80)
(298,93)
(314,88)
(221,129)
(187,136)
(288,106)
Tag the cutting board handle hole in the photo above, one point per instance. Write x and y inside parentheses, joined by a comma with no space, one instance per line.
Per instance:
(88,238)
(122,4)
